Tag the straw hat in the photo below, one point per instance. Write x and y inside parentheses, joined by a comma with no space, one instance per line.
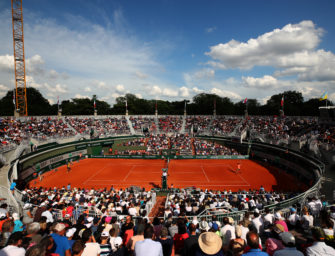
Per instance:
(210,243)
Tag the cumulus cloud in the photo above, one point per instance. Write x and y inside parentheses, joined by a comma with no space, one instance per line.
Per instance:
(269,49)
(7,63)
(138,95)
(197,90)
(224,93)
(265,82)
(170,92)
(79,96)
(3,87)
(87,89)
(184,92)
(120,88)
(57,89)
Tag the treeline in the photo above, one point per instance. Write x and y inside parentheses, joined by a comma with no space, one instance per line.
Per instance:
(201,104)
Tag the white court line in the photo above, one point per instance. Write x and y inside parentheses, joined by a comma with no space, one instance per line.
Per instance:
(175,184)
(129,172)
(240,176)
(95,174)
(203,171)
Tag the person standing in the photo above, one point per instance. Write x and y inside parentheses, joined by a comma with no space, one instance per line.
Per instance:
(148,247)
(253,243)
(62,246)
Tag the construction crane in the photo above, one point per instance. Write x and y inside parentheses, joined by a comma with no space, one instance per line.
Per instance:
(19,59)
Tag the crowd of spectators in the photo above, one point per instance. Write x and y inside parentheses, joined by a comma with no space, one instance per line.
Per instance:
(207,147)
(198,123)
(114,222)
(13,131)
(224,125)
(140,123)
(182,144)
(170,124)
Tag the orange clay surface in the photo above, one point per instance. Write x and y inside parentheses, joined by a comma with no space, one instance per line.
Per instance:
(210,174)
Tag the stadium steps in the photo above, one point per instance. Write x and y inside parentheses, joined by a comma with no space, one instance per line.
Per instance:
(132,131)
(157,124)
(182,129)
(159,207)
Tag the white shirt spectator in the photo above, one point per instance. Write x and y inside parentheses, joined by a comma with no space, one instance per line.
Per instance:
(307,221)
(12,250)
(132,211)
(91,249)
(293,218)
(148,247)
(48,215)
(227,233)
(259,224)
(320,249)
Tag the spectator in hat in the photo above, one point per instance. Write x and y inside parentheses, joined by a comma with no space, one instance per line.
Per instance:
(253,243)
(293,218)
(279,220)
(274,243)
(36,250)
(319,246)
(203,226)
(62,246)
(69,234)
(237,245)
(105,246)
(148,247)
(289,243)
(13,247)
(191,243)
(120,249)
(209,244)
(166,242)
(18,225)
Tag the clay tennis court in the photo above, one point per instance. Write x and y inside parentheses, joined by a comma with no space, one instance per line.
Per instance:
(210,174)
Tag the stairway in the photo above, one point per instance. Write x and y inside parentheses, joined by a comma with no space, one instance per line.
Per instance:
(182,129)
(159,207)
(132,131)
(157,125)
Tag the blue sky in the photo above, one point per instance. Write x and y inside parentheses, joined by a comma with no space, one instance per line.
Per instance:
(168,49)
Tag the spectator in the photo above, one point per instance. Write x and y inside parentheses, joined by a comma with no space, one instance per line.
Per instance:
(166,242)
(209,244)
(191,243)
(13,246)
(36,250)
(148,247)
(237,245)
(289,243)
(227,232)
(319,246)
(180,237)
(139,237)
(48,243)
(62,246)
(32,232)
(91,247)
(18,225)
(279,220)
(105,247)
(274,243)
(253,243)
(7,230)
(120,250)
(78,248)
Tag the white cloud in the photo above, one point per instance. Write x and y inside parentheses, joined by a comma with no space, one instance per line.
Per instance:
(224,93)
(204,73)
(154,90)
(30,81)
(51,101)
(184,92)
(197,90)
(79,96)
(269,49)
(210,29)
(138,95)
(3,88)
(170,92)
(7,63)
(265,82)
(58,89)
(87,89)
(120,88)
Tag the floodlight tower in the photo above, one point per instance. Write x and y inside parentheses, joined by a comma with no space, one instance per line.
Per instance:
(19,60)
